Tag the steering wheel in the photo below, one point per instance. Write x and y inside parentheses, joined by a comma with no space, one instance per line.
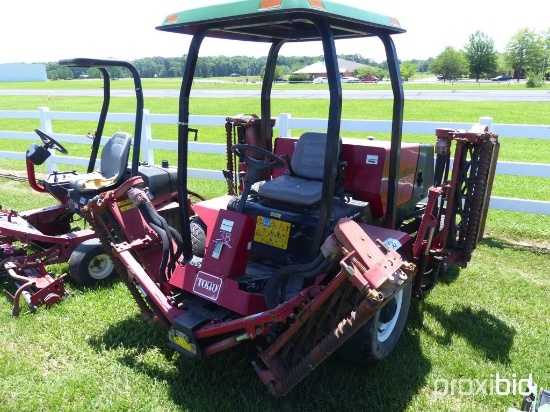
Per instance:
(50,142)
(272,162)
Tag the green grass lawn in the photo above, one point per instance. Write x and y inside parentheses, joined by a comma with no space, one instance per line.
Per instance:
(94,352)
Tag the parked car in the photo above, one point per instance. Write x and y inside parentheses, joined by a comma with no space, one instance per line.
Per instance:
(501,78)
(370,79)
(448,77)
(350,80)
(319,80)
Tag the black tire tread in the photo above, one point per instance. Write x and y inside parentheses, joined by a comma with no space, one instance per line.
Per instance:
(80,259)
(364,349)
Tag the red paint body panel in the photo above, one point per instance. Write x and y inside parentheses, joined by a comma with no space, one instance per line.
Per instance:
(51,221)
(126,211)
(234,232)
(208,211)
(228,248)
(379,264)
(367,169)
(384,234)
(228,295)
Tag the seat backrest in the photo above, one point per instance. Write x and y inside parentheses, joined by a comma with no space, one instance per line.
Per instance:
(114,156)
(308,159)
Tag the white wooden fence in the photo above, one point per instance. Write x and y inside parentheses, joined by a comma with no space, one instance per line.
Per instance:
(285,123)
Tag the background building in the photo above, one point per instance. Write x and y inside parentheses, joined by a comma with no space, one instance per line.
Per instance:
(345,67)
(22,72)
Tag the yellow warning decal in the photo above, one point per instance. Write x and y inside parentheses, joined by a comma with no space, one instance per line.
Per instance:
(179,339)
(125,205)
(272,232)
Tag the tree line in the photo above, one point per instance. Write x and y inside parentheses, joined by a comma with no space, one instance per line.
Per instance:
(527,54)
(207,66)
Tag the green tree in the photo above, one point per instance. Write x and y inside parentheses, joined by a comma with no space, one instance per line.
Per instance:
(546,53)
(94,73)
(408,70)
(481,54)
(422,66)
(451,64)
(369,71)
(117,72)
(176,66)
(147,67)
(502,64)
(279,72)
(51,70)
(63,73)
(524,52)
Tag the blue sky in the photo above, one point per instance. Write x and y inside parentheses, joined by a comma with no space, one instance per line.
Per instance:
(38,30)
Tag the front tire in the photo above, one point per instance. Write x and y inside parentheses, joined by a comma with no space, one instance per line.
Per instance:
(89,263)
(378,337)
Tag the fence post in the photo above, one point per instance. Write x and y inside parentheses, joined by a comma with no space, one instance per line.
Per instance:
(147,154)
(46,127)
(284,125)
(486,121)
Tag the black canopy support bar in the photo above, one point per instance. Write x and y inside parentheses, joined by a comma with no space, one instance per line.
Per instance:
(333,132)
(103,64)
(269,75)
(183,137)
(397,130)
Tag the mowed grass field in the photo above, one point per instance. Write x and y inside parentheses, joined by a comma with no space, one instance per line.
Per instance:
(482,323)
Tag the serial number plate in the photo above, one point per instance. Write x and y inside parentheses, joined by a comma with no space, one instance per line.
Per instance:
(272,232)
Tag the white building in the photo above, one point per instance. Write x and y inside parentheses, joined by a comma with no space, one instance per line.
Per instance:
(345,67)
(22,72)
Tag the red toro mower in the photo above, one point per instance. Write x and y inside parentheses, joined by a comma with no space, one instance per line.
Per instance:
(326,238)
(32,240)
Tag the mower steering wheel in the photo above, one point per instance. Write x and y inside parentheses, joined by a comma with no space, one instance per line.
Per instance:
(50,142)
(273,161)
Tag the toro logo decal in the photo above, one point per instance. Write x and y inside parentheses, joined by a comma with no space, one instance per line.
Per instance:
(207,286)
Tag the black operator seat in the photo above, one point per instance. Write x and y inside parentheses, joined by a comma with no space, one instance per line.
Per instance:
(114,161)
(304,185)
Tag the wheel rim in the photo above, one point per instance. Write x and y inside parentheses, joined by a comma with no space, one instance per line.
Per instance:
(100,267)
(389,315)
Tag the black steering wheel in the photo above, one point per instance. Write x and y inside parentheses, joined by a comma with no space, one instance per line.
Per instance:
(50,142)
(272,161)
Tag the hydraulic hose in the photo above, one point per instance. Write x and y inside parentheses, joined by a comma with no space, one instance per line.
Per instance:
(162,222)
(323,268)
(167,234)
(275,281)
(440,167)
(165,247)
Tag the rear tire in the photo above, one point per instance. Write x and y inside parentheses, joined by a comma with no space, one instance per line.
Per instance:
(198,237)
(89,263)
(379,336)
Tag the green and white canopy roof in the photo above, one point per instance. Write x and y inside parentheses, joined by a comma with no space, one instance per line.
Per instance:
(275,20)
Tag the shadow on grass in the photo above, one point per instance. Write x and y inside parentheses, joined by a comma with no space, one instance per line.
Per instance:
(483,331)
(227,381)
(448,275)
(497,243)
(451,274)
